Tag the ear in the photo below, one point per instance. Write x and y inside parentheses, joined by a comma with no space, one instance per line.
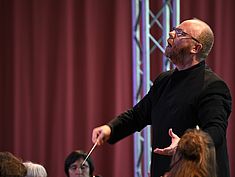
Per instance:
(196,48)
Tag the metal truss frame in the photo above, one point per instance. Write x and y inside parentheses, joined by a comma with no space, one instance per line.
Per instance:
(143,19)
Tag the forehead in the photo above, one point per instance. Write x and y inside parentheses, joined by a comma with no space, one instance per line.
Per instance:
(79,162)
(193,27)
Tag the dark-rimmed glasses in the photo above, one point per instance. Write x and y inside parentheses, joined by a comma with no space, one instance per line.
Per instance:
(180,33)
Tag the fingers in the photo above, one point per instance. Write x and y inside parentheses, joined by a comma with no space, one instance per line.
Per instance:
(96,135)
(170,150)
(172,134)
(101,134)
(166,151)
(158,151)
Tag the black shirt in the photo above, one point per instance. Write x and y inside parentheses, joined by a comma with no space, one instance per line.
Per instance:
(180,100)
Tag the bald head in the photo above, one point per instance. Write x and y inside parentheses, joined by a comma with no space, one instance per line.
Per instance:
(202,32)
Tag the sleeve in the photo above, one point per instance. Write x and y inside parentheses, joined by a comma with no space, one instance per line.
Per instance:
(132,120)
(215,105)
(139,116)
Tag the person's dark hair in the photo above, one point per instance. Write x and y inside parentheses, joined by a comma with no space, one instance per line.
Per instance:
(11,166)
(195,156)
(73,157)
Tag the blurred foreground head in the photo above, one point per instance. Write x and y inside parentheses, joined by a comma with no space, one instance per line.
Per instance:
(35,170)
(195,156)
(11,166)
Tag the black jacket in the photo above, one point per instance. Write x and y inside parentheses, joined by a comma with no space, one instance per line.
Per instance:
(180,100)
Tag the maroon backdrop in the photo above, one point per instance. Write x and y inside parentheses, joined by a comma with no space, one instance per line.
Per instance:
(66,67)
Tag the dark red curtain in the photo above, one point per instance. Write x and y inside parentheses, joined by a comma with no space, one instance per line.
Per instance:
(66,67)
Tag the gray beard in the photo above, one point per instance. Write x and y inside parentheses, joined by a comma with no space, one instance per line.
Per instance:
(177,56)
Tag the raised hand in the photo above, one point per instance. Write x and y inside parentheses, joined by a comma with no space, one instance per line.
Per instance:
(170,150)
(101,134)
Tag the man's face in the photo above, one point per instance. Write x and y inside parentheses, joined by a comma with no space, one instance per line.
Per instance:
(181,42)
(76,170)
(177,50)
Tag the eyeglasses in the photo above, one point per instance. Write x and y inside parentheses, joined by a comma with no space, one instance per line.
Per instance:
(180,33)
(75,167)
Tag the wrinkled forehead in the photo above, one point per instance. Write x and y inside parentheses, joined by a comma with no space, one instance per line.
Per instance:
(192,27)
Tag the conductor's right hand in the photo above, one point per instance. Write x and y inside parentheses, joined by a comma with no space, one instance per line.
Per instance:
(101,134)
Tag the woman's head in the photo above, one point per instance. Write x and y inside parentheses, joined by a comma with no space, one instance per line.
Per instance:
(195,155)
(11,165)
(35,170)
(72,165)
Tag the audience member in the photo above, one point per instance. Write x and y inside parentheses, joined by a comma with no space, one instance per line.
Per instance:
(194,156)
(73,165)
(35,170)
(11,166)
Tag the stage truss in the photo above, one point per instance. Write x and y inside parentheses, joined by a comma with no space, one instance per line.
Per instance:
(143,20)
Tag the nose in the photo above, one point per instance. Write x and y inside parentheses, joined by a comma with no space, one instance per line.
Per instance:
(77,171)
(172,34)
